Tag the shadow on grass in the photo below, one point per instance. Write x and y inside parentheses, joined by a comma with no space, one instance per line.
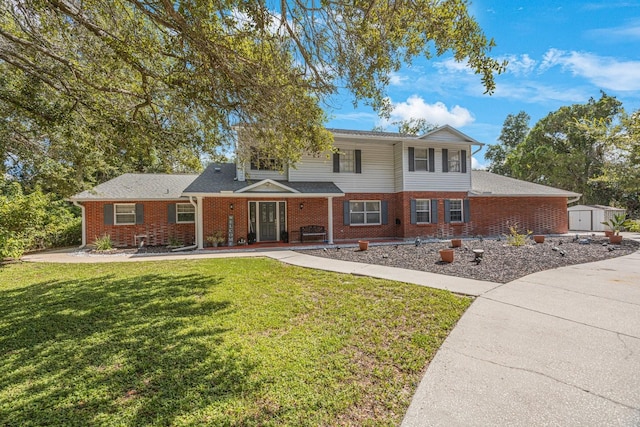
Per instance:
(141,350)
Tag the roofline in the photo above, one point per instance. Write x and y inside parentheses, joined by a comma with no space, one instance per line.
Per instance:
(267,181)
(567,195)
(264,194)
(472,141)
(136,199)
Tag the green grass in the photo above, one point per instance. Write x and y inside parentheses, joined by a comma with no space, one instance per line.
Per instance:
(248,342)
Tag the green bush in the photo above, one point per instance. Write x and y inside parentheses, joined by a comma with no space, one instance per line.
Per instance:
(34,221)
(633,225)
(104,243)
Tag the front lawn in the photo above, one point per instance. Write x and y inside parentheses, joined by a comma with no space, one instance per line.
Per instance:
(212,342)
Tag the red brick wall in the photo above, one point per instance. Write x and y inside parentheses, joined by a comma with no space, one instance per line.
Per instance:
(541,215)
(155,225)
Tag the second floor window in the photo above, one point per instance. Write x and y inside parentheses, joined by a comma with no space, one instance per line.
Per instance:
(454,161)
(421,159)
(347,161)
(261,160)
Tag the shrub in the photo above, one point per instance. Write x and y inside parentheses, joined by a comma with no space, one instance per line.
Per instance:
(515,237)
(103,243)
(34,221)
(633,225)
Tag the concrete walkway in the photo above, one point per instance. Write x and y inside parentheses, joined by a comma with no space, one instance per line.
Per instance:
(555,348)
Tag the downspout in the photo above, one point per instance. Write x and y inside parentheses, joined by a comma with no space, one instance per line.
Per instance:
(197,223)
(575,199)
(84,224)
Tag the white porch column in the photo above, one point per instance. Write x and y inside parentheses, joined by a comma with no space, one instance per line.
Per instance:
(199,224)
(330,213)
(84,223)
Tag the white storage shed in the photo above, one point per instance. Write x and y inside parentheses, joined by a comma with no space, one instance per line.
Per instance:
(591,217)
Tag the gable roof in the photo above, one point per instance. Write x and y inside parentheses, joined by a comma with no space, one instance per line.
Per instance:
(433,134)
(221,179)
(139,186)
(485,183)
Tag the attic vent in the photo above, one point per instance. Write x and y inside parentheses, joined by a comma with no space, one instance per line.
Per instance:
(216,170)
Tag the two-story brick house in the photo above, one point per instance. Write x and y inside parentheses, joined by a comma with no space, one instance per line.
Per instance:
(378,185)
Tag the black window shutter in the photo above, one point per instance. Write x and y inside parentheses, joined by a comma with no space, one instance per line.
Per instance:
(139,213)
(336,162)
(445,160)
(346,213)
(447,211)
(434,211)
(171,213)
(412,156)
(465,210)
(384,212)
(358,161)
(463,161)
(108,214)
(432,160)
(414,215)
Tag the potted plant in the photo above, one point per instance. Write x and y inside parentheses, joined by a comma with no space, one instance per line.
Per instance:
(284,236)
(456,243)
(616,225)
(446,255)
(251,238)
(538,238)
(364,244)
(216,238)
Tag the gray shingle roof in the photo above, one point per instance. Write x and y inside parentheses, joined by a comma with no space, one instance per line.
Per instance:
(139,186)
(485,183)
(222,177)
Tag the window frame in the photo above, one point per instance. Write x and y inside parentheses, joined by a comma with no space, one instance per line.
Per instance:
(116,213)
(261,162)
(178,221)
(428,211)
(365,212)
(424,159)
(347,158)
(454,165)
(451,210)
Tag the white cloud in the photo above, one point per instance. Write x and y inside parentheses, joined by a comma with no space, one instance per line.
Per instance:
(475,164)
(452,66)
(604,72)
(627,32)
(437,113)
(396,79)
(520,65)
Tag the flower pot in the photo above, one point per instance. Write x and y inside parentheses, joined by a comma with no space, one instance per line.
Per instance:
(608,233)
(456,243)
(538,238)
(364,245)
(616,239)
(446,255)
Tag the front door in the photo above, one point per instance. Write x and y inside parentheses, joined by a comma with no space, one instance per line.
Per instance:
(268,221)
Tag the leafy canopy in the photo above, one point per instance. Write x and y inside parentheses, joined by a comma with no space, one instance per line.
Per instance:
(95,88)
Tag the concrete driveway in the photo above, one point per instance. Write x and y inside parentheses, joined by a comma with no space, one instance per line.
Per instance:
(555,348)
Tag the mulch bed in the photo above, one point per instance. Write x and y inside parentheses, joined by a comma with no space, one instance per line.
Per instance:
(501,263)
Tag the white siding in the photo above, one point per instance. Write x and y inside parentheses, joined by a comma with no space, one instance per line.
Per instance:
(398,166)
(377,169)
(438,180)
(257,175)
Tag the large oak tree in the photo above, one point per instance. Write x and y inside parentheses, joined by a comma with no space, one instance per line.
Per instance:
(92,88)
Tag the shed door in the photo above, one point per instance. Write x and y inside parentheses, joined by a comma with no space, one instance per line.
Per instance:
(580,220)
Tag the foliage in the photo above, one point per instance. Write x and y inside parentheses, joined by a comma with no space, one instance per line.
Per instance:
(514,131)
(411,126)
(216,238)
(34,221)
(560,153)
(92,89)
(617,223)
(515,237)
(212,342)
(633,225)
(103,243)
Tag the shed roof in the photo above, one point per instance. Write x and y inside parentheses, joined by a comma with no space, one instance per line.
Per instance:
(594,208)
(485,183)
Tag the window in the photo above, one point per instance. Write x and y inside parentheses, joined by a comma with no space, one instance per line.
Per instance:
(454,161)
(423,211)
(261,160)
(455,210)
(125,214)
(364,212)
(421,159)
(347,161)
(185,213)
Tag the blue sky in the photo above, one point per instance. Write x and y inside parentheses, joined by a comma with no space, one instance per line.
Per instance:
(559,52)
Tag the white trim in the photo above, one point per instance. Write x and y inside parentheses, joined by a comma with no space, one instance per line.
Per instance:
(422,210)
(271,195)
(265,182)
(115,214)
(199,227)
(177,214)
(461,211)
(379,202)
(453,130)
(277,220)
(330,217)
(84,223)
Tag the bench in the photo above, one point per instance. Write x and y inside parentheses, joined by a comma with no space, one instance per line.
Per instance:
(312,230)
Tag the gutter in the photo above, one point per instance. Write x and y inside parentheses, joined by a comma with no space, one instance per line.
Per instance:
(84,228)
